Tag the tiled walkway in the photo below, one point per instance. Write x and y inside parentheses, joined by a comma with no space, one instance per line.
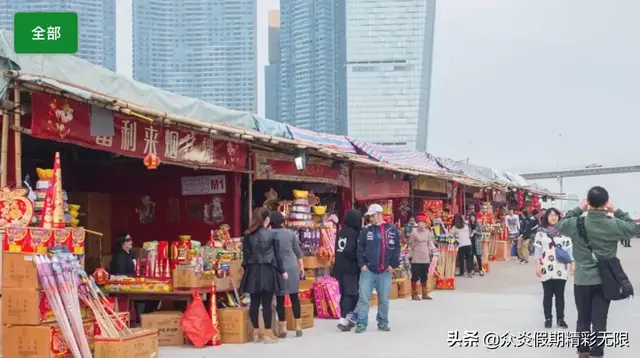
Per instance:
(509,298)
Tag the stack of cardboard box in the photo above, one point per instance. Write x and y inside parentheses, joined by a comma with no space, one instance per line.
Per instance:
(28,321)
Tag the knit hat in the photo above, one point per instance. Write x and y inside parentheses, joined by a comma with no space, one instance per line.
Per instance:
(421,218)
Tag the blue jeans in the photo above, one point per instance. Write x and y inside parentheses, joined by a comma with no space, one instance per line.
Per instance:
(382,283)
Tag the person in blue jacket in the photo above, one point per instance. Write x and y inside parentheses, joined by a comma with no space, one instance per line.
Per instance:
(378,254)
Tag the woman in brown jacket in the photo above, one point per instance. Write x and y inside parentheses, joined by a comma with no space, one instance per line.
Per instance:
(422,250)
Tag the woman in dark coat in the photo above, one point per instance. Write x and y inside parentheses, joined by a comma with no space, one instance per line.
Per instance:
(263,272)
(123,263)
(345,268)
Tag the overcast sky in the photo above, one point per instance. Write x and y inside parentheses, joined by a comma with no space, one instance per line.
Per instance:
(524,85)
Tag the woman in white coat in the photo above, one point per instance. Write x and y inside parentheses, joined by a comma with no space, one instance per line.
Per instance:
(554,264)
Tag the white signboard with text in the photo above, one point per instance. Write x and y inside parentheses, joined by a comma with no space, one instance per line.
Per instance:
(204,185)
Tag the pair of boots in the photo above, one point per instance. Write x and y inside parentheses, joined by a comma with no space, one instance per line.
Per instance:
(264,335)
(414,292)
(282,328)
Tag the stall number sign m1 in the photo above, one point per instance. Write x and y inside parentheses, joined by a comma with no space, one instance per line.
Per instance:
(204,185)
(45,32)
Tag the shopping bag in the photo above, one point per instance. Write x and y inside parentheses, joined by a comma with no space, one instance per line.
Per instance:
(332,295)
(321,303)
(196,323)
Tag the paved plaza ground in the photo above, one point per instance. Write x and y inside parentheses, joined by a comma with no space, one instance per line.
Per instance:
(509,298)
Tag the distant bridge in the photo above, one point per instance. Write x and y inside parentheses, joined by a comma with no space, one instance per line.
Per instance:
(568,173)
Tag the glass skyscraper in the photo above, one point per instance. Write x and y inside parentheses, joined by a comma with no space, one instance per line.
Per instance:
(204,49)
(97,24)
(312,74)
(389,51)
(272,70)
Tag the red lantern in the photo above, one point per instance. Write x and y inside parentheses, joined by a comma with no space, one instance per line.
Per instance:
(151,161)
(101,276)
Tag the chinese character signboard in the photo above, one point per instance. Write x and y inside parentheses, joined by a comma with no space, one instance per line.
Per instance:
(45,32)
(277,166)
(204,185)
(62,119)
(369,185)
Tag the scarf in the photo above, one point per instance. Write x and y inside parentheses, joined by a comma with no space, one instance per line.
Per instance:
(551,231)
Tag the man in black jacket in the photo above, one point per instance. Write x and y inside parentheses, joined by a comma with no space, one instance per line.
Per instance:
(378,253)
(345,268)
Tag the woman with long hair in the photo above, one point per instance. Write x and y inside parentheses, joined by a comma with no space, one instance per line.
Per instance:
(476,241)
(292,264)
(423,249)
(461,231)
(552,273)
(263,272)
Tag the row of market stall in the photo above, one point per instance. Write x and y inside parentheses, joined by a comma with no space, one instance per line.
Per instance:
(183,185)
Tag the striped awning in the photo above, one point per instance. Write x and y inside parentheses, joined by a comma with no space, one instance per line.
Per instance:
(337,142)
(398,155)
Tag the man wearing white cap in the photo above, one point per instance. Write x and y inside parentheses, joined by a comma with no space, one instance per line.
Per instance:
(378,253)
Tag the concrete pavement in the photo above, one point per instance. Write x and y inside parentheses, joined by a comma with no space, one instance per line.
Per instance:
(509,298)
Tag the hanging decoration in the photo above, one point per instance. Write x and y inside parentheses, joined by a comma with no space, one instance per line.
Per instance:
(151,161)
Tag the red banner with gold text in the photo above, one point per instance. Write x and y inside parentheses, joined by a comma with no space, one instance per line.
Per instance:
(369,185)
(277,166)
(65,120)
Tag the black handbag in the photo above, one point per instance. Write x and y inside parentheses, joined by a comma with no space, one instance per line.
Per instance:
(615,282)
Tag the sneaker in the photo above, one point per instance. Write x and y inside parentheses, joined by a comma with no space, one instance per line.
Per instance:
(481,273)
(547,323)
(469,275)
(352,318)
(344,328)
(361,329)
(384,328)
(459,274)
(562,324)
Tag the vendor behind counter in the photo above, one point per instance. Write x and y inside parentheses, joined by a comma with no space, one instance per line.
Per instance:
(123,263)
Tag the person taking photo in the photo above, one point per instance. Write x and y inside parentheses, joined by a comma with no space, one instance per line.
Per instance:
(603,233)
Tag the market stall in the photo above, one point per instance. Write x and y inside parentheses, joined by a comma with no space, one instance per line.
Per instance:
(49,300)
(310,193)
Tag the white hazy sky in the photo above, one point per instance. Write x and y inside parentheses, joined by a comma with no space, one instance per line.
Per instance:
(522,85)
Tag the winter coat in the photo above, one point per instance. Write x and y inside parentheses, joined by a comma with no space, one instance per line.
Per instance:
(346,259)
(377,251)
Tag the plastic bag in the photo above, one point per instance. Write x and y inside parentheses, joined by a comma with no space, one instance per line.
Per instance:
(196,323)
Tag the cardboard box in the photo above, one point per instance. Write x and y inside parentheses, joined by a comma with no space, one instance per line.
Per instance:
(404,287)
(143,343)
(19,271)
(186,279)
(393,295)
(45,341)
(306,314)
(28,307)
(124,318)
(168,325)
(234,325)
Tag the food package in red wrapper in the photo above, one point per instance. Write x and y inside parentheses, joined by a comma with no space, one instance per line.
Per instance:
(17,239)
(167,271)
(163,250)
(137,268)
(147,268)
(62,238)
(77,241)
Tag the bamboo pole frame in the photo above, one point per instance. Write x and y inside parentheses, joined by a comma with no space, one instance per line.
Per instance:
(233,131)
(17,136)
(250,186)
(4,153)
(128,108)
